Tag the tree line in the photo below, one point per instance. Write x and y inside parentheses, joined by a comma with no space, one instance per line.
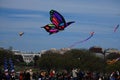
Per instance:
(75,58)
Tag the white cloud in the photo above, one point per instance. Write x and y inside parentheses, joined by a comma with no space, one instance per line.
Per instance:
(27,15)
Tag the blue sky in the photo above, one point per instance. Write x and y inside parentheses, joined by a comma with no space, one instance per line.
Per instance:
(100,16)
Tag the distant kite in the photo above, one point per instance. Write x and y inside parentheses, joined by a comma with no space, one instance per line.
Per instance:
(58,23)
(12,39)
(116,28)
(91,34)
(113,61)
(21,33)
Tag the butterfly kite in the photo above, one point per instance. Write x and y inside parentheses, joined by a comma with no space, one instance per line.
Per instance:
(58,23)
(74,44)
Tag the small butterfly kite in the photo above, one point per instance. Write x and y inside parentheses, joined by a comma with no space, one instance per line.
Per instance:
(58,23)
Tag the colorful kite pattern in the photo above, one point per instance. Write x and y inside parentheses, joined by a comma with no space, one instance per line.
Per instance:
(58,23)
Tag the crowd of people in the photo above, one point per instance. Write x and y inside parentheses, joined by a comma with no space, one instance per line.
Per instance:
(74,74)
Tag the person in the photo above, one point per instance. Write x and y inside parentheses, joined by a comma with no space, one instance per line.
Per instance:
(40,76)
(66,75)
(7,76)
(31,74)
(26,75)
(80,74)
(0,74)
(74,74)
(12,75)
(52,74)
(21,76)
(113,76)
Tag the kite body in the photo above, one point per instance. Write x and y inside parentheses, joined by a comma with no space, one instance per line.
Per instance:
(113,61)
(116,28)
(21,33)
(58,23)
(74,44)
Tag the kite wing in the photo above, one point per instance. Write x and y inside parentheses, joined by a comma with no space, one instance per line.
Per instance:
(57,19)
(50,28)
(91,34)
(116,28)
